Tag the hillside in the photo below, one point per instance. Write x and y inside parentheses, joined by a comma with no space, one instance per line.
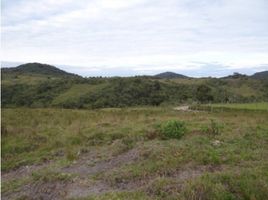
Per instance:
(37,68)
(169,75)
(260,75)
(62,92)
(41,85)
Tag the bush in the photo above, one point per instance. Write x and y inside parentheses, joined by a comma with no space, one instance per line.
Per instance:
(172,129)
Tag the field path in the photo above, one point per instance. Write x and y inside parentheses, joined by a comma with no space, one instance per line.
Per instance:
(182,108)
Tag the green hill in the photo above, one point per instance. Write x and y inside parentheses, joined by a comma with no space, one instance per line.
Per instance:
(37,69)
(169,75)
(39,85)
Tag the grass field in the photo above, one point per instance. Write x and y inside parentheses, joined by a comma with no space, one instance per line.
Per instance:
(246,106)
(121,154)
(235,106)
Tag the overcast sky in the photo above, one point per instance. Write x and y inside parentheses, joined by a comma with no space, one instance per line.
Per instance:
(127,37)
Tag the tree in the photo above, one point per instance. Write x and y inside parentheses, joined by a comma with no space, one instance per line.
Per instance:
(204,94)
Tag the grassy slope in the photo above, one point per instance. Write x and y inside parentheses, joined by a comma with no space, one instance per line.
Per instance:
(236,168)
(76,92)
(175,90)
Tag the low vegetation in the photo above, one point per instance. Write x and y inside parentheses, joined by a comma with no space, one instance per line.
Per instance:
(172,129)
(233,106)
(119,153)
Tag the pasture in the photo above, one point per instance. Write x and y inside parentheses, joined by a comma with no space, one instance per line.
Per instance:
(119,153)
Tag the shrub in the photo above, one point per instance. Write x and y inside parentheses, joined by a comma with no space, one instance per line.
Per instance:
(214,128)
(172,129)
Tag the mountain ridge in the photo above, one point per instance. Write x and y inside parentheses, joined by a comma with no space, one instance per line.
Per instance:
(51,70)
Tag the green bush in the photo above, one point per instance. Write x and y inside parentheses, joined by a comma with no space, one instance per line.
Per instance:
(172,129)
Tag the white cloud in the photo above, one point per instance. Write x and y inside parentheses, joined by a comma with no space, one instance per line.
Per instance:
(118,4)
(139,34)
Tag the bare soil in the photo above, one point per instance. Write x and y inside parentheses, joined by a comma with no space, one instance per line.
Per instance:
(83,186)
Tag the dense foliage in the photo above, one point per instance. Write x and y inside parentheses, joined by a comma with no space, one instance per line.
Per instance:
(38,85)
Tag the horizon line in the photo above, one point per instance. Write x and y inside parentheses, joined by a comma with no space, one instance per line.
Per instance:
(64,66)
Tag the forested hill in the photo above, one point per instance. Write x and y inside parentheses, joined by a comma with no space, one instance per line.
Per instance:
(260,75)
(39,85)
(169,75)
(38,69)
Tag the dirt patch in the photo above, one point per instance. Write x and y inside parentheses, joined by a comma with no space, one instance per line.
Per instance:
(84,166)
(22,172)
(188,173)
(182,108)
(76,188)
(185,109)
(84,188)
(180,176)
(39,190)
(80,186)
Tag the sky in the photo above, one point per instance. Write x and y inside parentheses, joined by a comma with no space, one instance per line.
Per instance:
(137,37)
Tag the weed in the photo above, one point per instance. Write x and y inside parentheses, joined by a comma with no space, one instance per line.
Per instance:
(13,185)
(228,185)
(97,139)
(50,176)
(214,128)
(172,129)
(151,135)
(71,154)
(115,136)
(163,188)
